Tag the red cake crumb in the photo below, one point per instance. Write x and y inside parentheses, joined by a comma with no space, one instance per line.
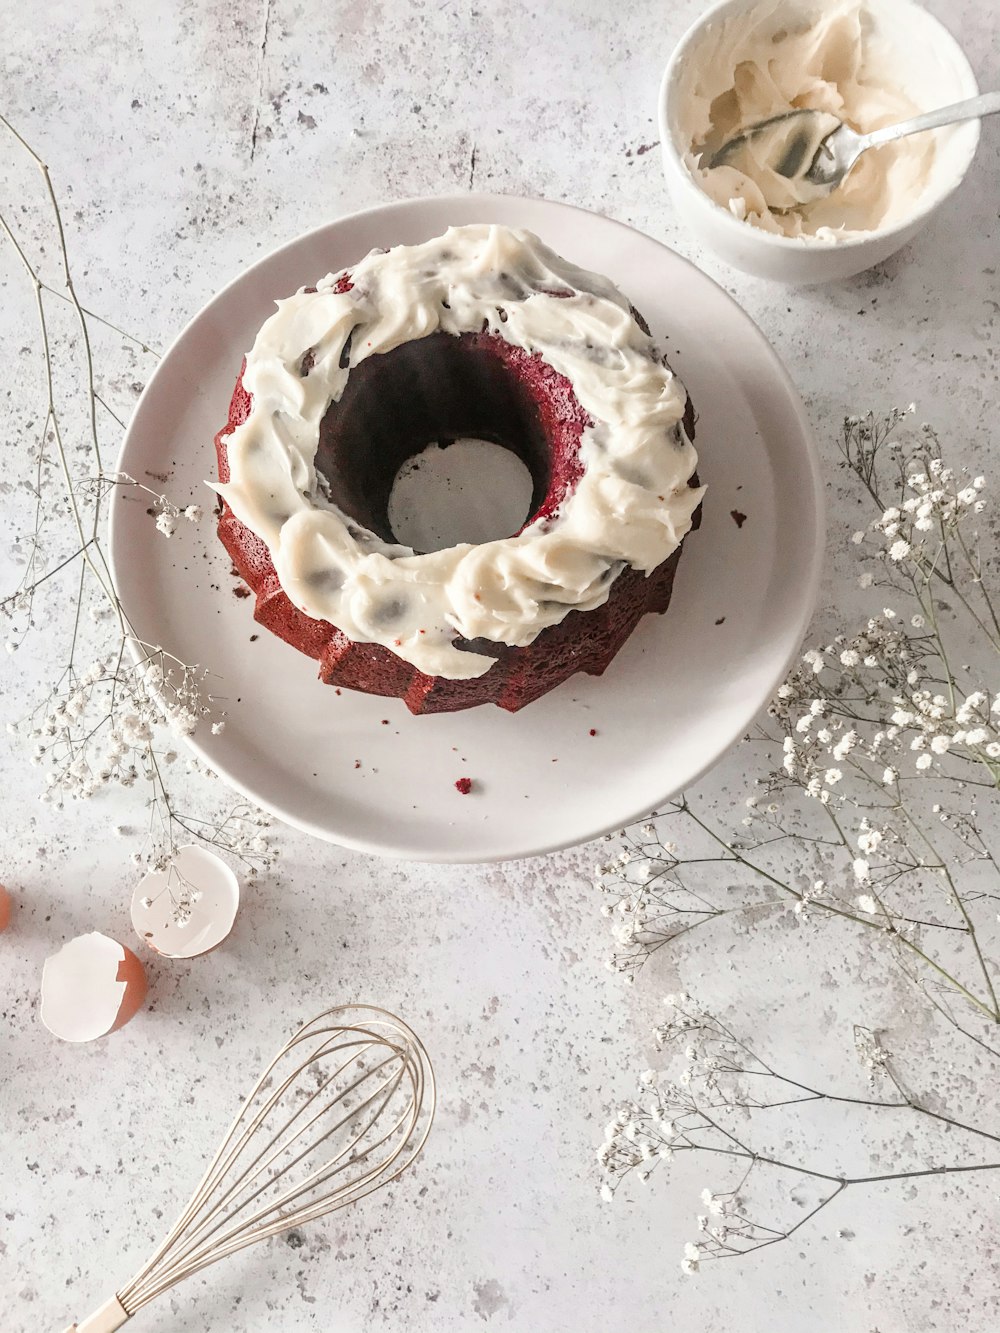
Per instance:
(241,591)
(593,731)
(464,785)
(357,763)
(738,518)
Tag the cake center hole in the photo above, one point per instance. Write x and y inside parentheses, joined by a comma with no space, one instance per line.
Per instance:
(439,441)
(464,490)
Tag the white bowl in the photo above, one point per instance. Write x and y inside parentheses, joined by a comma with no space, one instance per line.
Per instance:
(932,70)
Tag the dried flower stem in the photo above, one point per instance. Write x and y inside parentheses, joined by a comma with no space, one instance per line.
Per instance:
(100,724)
(879,765)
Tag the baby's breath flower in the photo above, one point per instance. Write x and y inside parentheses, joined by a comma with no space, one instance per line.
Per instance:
(847,712)
(845,745)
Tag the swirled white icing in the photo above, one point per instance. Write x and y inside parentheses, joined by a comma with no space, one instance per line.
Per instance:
(632,506)
(776,58)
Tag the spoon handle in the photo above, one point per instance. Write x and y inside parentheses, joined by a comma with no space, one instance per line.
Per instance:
(987,104)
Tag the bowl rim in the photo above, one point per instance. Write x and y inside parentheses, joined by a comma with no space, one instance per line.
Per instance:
(798,244)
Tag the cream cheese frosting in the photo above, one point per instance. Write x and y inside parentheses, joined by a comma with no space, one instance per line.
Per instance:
(632,506)
(781,57)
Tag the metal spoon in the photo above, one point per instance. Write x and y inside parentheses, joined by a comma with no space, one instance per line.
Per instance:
(804,155)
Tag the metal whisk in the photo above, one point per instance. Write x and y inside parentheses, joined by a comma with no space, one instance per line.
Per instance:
(341,1110)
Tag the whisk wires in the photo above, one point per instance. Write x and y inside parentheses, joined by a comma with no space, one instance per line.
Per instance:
(342,1109)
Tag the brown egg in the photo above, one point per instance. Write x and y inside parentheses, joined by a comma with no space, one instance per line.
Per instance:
(92,986)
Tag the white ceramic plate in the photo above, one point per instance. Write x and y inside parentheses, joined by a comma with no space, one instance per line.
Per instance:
(683,688)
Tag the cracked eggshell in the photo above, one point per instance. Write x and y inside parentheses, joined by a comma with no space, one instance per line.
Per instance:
(92,986)
(5,908)
(211,896)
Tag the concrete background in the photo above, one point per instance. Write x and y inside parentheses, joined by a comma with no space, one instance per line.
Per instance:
(185,140)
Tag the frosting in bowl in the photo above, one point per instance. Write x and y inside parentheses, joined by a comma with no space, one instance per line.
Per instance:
(631,506)
(778,58)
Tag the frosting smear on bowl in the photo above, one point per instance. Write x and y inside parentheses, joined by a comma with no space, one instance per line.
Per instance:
(780,58)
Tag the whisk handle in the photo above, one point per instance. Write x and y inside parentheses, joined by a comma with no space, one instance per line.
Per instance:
(110,1316)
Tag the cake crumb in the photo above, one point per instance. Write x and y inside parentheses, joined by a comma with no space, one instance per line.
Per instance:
(593,731)
(464,785)
(721,620)
(254,638)
(385,722)
(357,763)
(241,591)
(738,518)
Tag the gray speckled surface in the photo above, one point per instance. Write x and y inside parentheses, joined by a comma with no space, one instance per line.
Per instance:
(185,140)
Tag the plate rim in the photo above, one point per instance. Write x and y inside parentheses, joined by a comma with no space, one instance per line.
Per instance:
(809,452)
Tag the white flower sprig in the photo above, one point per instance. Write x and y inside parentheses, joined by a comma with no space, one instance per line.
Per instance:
(877,786)
(119,703)
(709,1102)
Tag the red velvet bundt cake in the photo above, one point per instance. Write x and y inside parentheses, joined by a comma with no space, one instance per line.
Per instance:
(483,333)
